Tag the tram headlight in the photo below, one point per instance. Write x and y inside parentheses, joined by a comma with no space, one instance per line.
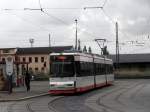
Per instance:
(62,84)
(69,84)
(52,85)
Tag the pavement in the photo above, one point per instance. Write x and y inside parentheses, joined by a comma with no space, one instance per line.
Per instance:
(38,88)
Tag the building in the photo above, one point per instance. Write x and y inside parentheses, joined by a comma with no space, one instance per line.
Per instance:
(4,52)
(38,57)
(34,59)
(133,65)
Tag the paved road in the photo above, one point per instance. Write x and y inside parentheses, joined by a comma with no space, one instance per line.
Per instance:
(124,96)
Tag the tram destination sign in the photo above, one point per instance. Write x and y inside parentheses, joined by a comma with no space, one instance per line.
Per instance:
(62,58)
(9,65)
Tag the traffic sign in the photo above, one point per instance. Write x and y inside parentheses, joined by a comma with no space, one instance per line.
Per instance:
(9,65)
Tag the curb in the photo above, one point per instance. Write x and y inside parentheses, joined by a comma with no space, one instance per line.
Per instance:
(24,98)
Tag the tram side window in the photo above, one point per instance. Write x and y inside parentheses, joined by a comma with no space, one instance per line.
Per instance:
(85,69)
(109,69)
(91,68)
(77,64)
(98,69)
(103,69)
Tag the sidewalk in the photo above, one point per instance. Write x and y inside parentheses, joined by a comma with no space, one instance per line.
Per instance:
(38,88)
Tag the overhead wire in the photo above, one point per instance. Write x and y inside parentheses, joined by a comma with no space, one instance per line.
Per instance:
(104,3)
(40,5)
(60,20)
(120,30)
(43,10)
(75,8)
(54,17)
(29,22)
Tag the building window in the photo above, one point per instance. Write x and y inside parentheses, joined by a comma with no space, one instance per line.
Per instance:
(42,69)
(30,69)
(36,59)
(3,59)
(6,51)
(36,69)
(23,69)
(17,58)
(24,59)
(42,59)
(44,64)
(30,59)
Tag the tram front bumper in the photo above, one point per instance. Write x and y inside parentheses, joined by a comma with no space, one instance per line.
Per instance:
(62,87)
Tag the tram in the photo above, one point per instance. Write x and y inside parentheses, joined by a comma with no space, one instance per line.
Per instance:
(79,72)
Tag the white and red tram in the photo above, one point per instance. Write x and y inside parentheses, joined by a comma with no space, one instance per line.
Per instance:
(79,72)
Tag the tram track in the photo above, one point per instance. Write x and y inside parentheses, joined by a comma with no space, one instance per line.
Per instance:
(95,100)
(105,107)
(50,106)
(117,98)
(123,90)
(29,104)
(10,107)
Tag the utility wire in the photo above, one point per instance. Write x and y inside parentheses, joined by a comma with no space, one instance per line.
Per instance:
(29,22)
(108,16)
(50,15)
(54,17)
(104,3)
(40,5)
(60,20)
(43,11)
(112,21)
(69,8)
(55,8)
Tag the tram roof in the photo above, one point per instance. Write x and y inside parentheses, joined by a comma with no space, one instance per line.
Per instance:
(43,50)
(82,54)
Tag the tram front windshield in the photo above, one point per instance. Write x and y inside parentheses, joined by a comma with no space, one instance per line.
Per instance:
(62,68)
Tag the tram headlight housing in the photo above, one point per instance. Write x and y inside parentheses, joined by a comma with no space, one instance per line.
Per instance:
(67,83)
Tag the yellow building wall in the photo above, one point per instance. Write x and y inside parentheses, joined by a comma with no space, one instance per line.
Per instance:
(34,65)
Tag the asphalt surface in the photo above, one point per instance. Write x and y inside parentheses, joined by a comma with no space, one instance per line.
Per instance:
(124,96)
(38,88)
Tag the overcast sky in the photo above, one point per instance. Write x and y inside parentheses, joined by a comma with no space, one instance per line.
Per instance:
(17,26)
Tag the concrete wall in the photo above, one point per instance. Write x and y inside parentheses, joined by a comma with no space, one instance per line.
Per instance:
(140,70)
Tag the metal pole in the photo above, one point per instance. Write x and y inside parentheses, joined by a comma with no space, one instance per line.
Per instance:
(49,40)
(76,35)
(117,47)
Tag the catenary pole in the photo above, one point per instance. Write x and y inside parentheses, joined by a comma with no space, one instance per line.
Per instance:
(76,21)
(49,40)
(117,47)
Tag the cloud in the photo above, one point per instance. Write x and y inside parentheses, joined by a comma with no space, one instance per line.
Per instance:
(132,16)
